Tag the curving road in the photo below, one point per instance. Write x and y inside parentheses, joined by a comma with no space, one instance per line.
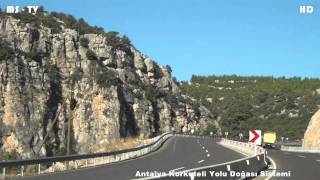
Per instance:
(178,153)
(300,165)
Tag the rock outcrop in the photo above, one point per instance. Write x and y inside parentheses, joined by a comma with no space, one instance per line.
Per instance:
(118,93)
(312,134)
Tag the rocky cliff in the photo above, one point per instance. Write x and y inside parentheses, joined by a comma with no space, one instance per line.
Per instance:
(312,134)
(108,92)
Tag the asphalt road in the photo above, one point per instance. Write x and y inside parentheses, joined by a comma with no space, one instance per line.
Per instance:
(301,165)
(178,153)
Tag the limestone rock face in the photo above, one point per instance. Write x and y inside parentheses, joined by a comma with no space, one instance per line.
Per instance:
(121,94)
(312,134)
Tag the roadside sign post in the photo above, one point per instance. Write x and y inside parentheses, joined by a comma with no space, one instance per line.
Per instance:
(255,137)
(226,134)
(192,131)
(240,136)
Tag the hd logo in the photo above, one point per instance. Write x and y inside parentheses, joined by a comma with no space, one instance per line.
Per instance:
(306,9)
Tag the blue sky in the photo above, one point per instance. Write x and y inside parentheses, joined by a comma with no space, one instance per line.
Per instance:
(205,37)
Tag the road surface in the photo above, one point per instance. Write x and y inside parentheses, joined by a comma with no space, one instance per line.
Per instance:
(178,153)
(301,165)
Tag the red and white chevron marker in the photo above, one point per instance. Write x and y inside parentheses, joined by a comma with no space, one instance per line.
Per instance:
(255,137)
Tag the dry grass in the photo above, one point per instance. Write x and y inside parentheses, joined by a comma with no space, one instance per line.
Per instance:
(126,143)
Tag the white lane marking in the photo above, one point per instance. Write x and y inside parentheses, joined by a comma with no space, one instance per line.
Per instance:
(207,151)
(274,169)
(201,161)
(302,156)
(318,160)
(202,147)
(228,167)
(208,155)
(177,169)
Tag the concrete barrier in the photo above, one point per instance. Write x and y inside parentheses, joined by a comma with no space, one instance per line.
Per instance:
(300,149)
(249,149)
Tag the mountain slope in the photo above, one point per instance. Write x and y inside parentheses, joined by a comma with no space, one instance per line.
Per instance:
(283,105)
(54,67)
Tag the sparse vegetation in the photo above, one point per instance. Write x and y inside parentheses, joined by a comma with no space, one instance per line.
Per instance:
(53,21)
(169,68)
(125,143)
(6,52)
(76,76)
(34,55)
(9,155)
(106,78)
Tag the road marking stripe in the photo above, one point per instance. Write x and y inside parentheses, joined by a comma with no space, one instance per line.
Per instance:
(208,155)
(200,161)
(302,156)
(274,169)
(228,167)
(318,160)
(177,169)
(207,151)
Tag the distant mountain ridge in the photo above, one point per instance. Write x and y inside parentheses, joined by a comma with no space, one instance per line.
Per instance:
(240,103)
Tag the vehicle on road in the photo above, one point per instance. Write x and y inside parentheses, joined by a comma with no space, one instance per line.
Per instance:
(269,139)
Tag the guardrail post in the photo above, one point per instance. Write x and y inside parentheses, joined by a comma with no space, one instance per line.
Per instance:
(53,167)
(22,170)
(3,173)
(39,168)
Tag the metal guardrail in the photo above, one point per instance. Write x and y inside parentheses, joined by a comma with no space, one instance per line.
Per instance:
(300,149)
(90,159)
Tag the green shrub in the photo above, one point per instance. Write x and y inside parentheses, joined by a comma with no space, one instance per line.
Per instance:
(9,155)
(84,42)
(34,55)
(169,68)
(91,55)
(106,78)
(76,76)
(6,52)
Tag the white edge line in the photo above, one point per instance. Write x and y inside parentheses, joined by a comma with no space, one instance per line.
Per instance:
(177,169)
(274,165)
(200,161)
(199,168)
